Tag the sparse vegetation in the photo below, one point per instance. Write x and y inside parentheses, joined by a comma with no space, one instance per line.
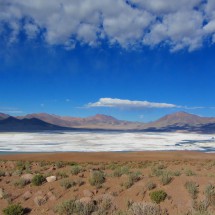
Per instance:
(76,169)
(121,171)
(14,209)
(106,197)
(165,178)
(38,180)
(62,174)
(158,196)
(97,178)
(192,188)
(2,173)
(210,194)
(59,164)
(150,185)
(73,206)
(145,209)
(132,178)
(20,183)
(189,172)
(67,183)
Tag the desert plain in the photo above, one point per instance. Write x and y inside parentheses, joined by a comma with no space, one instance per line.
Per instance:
(119,183)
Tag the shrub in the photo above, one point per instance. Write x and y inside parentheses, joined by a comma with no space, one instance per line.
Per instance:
(66,184)
(2,173)
(38,180)
(150,186)
(201,208)
(176,173)
(20,165)
(103,206)
(120,171)
(189,172)
(20,183)
(62,175)
(132,178)
(210,194)
(192,188)
(97,178)
(145,208)
(76,169)
(158,196)
(156,172)
(73,206)
(14,209)
(166,178)
(59,164)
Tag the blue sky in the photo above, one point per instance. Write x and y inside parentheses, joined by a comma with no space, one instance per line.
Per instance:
(157,63)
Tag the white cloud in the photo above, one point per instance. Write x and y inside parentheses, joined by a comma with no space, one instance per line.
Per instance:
(178,24)
(124,103)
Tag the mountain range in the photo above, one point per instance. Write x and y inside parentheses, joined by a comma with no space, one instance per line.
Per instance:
(179,121)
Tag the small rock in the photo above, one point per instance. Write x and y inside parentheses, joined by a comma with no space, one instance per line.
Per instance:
(87,193)
(1,193)
(27,177)
(51,178)
(95,191)
(27,195)
(8,174)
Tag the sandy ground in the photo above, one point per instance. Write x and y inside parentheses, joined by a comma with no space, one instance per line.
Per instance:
(110,156)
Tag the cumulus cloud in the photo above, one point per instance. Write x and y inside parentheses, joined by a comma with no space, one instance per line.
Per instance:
(128,23)
(124,103)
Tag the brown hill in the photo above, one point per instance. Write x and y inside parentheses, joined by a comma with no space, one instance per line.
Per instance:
(181,119)
(99,121)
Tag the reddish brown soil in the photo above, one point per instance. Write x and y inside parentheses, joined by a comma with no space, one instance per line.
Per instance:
(179,200)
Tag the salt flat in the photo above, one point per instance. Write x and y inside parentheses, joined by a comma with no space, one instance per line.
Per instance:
(104,141)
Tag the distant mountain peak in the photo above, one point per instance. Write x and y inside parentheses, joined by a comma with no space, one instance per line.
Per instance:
(3,116)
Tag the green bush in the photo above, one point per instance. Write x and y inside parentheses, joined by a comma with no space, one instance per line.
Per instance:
(66,183)
(59,164)
(210,194)
(14,209)
(62,175)
(22,165)
(189,172)
(20,183)
(176,173)
(97,178)
(132,178)
(76,169)
(121,171)
(165,178)
(192,188)
(2,173)
(73,206)
(38,180)
(158,196)
(150,186)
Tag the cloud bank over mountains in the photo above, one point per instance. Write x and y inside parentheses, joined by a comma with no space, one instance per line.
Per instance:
(124,103)
(130,24)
